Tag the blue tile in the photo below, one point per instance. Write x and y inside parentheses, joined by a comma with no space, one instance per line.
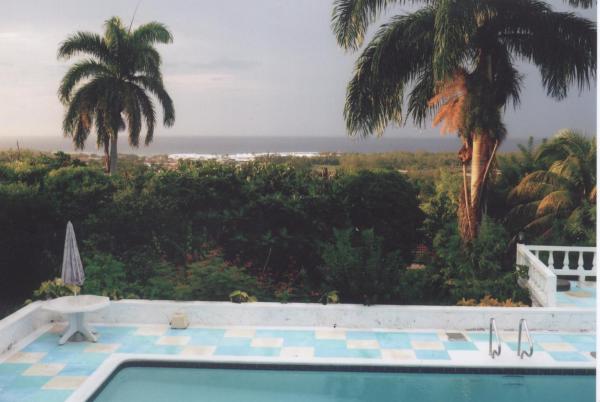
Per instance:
(423,336)
(587,338)
(548,338)
(569,357)
(246,351)
(361,335)
(235,342)
(13,368)
(460,345)
(432,354)
(26,381)
(207,337)
(391,340)
(478,336)
(333,344)
(17,394)
(347,353)
(49,395)
(584,346)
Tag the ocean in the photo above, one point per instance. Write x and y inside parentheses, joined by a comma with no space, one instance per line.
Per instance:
(204,146)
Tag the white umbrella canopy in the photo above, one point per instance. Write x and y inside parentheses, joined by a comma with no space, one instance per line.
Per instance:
(72,268)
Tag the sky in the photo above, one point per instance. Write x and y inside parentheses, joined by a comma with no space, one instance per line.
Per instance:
(235,68)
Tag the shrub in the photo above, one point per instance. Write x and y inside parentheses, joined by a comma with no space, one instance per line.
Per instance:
(54,288)
(104,275)
(484,267)
(356,267)
(385,202)
(489,301)
(212,279)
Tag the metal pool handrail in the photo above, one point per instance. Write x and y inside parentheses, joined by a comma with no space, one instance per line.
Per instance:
(494,330)
(523,324)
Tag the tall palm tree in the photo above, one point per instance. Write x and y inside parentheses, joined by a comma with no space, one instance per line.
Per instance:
(563,190)
(112,88)
(455,61)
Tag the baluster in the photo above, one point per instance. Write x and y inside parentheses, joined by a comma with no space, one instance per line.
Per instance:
(580,267)
(551,260)
(566,262)
(594,263)
(536,253)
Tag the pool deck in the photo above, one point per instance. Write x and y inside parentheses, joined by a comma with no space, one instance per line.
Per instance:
(579,296)
(38,369)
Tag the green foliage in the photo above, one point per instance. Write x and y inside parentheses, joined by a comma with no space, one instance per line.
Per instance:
(387,203)
(212,279)
(357,267)
(239,296)
(482,268)
(104,275)
(54,288)
(561,192)
(331,297)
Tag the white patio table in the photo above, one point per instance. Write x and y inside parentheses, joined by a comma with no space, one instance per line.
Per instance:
(74,307)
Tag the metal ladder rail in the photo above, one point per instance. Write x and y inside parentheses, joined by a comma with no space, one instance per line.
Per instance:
(523,324)
(494,330)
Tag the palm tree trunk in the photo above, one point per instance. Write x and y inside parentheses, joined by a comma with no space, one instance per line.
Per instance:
(113,154)
(106,158)
(484,150)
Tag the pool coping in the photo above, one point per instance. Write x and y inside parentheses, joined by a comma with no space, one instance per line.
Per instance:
(87,389)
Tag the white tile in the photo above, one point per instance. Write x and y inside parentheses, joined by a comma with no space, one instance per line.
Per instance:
(398,354)
(240,333)
(26,357)
(151,330)
(509,336)
(64,382)
(557,347)
(102,348)
(427,345)
(44,370)
(266,342)
(330,334)
(198,351)
(297,352)
(362,344)
(173,340)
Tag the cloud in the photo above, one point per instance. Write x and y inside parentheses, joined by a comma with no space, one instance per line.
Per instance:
(222,64)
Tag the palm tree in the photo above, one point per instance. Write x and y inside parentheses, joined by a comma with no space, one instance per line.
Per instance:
(454,61)
(111,89)
(563,191)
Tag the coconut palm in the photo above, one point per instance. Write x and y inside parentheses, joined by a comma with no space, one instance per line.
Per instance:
(112,88)
(455,61)
(564,191)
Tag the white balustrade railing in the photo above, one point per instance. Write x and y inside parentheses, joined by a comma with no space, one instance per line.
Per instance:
(559,261)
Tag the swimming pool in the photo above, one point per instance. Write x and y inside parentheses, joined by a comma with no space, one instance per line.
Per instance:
(149,383)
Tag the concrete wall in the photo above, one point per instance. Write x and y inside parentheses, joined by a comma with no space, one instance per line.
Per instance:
(346,315)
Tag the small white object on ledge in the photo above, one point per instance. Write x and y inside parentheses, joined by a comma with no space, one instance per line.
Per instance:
(179,321)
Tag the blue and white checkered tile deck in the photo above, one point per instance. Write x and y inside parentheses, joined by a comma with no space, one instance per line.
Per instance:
(578,296)
(45,371)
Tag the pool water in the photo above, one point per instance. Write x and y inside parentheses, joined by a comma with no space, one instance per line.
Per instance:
(182,384)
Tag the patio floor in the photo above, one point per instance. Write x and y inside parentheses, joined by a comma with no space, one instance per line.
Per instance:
(45,371)
(578,296)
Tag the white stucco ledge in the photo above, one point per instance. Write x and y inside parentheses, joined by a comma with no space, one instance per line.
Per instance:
(345,315)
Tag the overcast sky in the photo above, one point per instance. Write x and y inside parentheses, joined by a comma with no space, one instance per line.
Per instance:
(236,67)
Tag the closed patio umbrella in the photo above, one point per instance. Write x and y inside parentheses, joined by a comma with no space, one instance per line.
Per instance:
(72,268)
